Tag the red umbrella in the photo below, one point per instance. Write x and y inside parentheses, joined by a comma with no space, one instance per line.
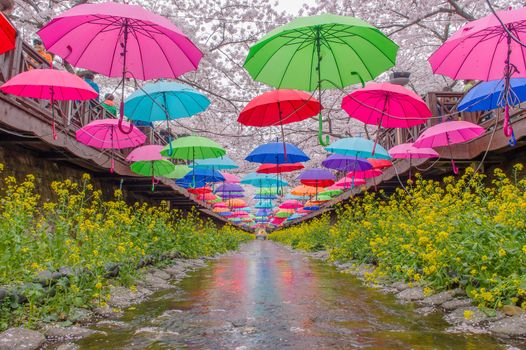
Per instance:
(380,163)
(200,190)
(7,35)
(278,168)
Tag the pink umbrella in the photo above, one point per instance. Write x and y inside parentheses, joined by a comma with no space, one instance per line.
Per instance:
(364,174)
(347,182)
(291,204)
(106,134)
(120,40)
(49,84)
(386,105)
(447,134)
(230,178)
(408,151)
(486,49)
(148,152)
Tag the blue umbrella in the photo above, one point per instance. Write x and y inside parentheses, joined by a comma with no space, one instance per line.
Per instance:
(299,198)
(312,208)
(264,205)
(164,101)
(262,180)
(265,196)
(358,147)
(215,163)
(190,183)
(488,95)
(198,177)
(274,153)
(263,212)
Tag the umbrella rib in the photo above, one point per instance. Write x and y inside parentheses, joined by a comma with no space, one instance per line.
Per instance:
(298,48)
(89,43)
(360,58)
(135,34)
(166,57)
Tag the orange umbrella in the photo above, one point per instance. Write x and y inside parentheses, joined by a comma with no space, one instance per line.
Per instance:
(303,190)
(236,203)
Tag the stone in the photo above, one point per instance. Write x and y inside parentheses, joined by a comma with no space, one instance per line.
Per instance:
(426,310)
(514,326)
(21,338)
(175,271)
(4,293)
(457,316)
(154,283)
(68,346)
(122,297)
(44,277)
(69,333)
(411,294)
(80,315)
(438,299)
(108,312)
(455,304)
(160,274)
(400,286)
(66,271)
(512,310)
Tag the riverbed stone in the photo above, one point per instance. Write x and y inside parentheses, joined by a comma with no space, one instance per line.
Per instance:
(153,283)
(80,315)
(175,271)
(455,304)
(160,274)
(477,317)
(69,333)
(439,298)
(21,338)
(512,310)
(411,294)
(400,286)
(67,346)
(426,310)
(514,326)
(108,312)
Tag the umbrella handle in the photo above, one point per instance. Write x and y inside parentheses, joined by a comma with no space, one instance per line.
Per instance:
(508,130)
(455,168)
(121,119)
(112,166)
(359,77)
(320,133)
(512,141)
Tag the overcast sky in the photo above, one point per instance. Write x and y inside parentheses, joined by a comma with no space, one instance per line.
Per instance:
(292,6)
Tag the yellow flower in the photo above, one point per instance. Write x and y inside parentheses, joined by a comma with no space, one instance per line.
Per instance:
(502,252)
(98,285)
(468,314)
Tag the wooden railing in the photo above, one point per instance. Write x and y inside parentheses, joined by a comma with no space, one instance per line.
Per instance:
(69,115)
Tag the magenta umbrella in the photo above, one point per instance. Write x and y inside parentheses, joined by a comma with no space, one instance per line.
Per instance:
(106,134)
(408,151)
(486,49)
(120,40)
(291,204)
(447,134)
(386,105)
(148,152)
(49,84)
(230,178)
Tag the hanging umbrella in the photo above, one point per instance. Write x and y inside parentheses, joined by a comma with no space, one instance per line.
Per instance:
(272,190)
(279,107)
(358,147)
(264,205)
(106,134)
(7,34)
(321,199)
(192,148)
(262,180)
(293,196)
(303,190)
(265,196)
(153,168)
(206,197)
(206,175)
(230,178)
(236,203)
(220,205)
(347,182)
(489,48)
(200,190)
(179,172)
(380,163)
(332,192)
(447,134)
(386,105)
(487,96)
(148,152)
(364,174)
(274,153)
(49,84)
(279,168)
(318,52)
(229,195)
(291,204)
(345,163)
(221,163)
(225,188)
(316,177)
(120,40)
(408,151)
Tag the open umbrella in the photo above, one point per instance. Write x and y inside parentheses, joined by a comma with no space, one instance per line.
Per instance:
(303,190)
(279,168)
(291,204)
(49,84)
(348,182)
(225,188)
(408,151)
(447,134)
(324,51)
(106,134)
(489,48)
(192,148)
(358,147)
(230,178)
(489,95)
(179,172)
(7,34)
(221,163)
(345,163)
(380,163)
(277,153)
(316,177)
(152,168)
(263,180)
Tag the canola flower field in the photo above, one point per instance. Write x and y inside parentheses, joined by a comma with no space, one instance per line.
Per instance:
(467,232)
(81,232)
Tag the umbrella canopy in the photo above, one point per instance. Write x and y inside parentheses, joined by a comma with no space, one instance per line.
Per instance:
(105,133)
(386,105)
(164,101)
(317,177)
(358,147)
(265,196)
(192,148)
(289,55)
(112,39)
(303,190)
(200,190)
(279,168)
(291,204)
(264,205)
(148,152)
(490,95)
(7,35)
(279,107)
(282,214)
(206,197)
(228,195)
(277,153)
(263,180)
(229,188)
(479,49)
(407,150)
(365,174)
(321,198)
(221,163)
(293,196)
(348,182)
(206,175)
(189,182)
(448,133)
(152,168)
(236,203)
(345,163)
(331,192)
(179,172)
(380,163)
(270,190)
(230,178)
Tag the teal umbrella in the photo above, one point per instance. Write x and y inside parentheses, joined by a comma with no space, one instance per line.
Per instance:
(221,163)
(263,180)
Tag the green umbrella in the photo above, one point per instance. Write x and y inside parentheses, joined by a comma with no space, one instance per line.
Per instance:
(179,172)
(318,52)
(283,214)
(152,168)
(193,147)
(331,193)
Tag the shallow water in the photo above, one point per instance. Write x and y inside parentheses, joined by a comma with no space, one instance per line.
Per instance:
(265,297)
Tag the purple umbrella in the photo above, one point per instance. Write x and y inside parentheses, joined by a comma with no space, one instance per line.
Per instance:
(229,188)
(229,195)
(317,177)
(346,163)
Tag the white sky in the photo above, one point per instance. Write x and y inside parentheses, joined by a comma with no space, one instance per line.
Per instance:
(292,6)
